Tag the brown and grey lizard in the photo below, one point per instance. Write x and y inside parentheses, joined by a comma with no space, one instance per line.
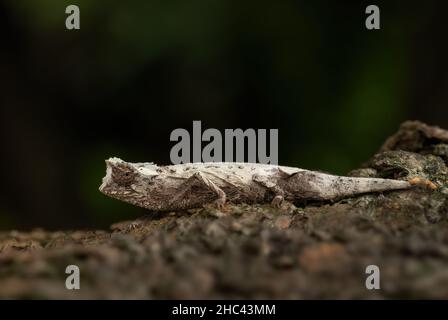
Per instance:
(186,186)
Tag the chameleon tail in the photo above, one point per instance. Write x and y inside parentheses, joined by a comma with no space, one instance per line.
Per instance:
(321,186)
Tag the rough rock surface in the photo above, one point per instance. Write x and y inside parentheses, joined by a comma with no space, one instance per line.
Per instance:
(320,250)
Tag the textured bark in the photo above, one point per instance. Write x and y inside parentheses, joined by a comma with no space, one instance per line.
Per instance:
(319,250)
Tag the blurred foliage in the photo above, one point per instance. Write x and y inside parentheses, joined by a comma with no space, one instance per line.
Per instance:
(139,69)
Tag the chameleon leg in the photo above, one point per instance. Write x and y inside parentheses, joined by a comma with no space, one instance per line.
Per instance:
(213,187)
(270,185)
(195,189)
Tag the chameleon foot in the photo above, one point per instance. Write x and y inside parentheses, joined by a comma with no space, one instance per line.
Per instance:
(277,201)
(221,201)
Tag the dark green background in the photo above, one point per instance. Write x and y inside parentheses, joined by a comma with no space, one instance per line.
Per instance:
(139,69)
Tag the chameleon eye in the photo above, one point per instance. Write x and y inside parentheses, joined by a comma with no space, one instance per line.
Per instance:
(123,176)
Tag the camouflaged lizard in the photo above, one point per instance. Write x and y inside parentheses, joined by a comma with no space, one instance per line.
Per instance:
(187,186)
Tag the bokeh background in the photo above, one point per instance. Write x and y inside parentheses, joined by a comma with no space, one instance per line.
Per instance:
(139,69)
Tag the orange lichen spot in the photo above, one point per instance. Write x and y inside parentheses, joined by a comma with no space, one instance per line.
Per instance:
(423,182)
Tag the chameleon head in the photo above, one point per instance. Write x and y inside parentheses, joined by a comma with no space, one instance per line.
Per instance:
(119,177)
(123,179)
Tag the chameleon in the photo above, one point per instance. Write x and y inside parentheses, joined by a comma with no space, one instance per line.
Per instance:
(194,185)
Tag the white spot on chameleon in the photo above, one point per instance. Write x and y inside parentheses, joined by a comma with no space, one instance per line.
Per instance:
(138,188)
(148,172)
